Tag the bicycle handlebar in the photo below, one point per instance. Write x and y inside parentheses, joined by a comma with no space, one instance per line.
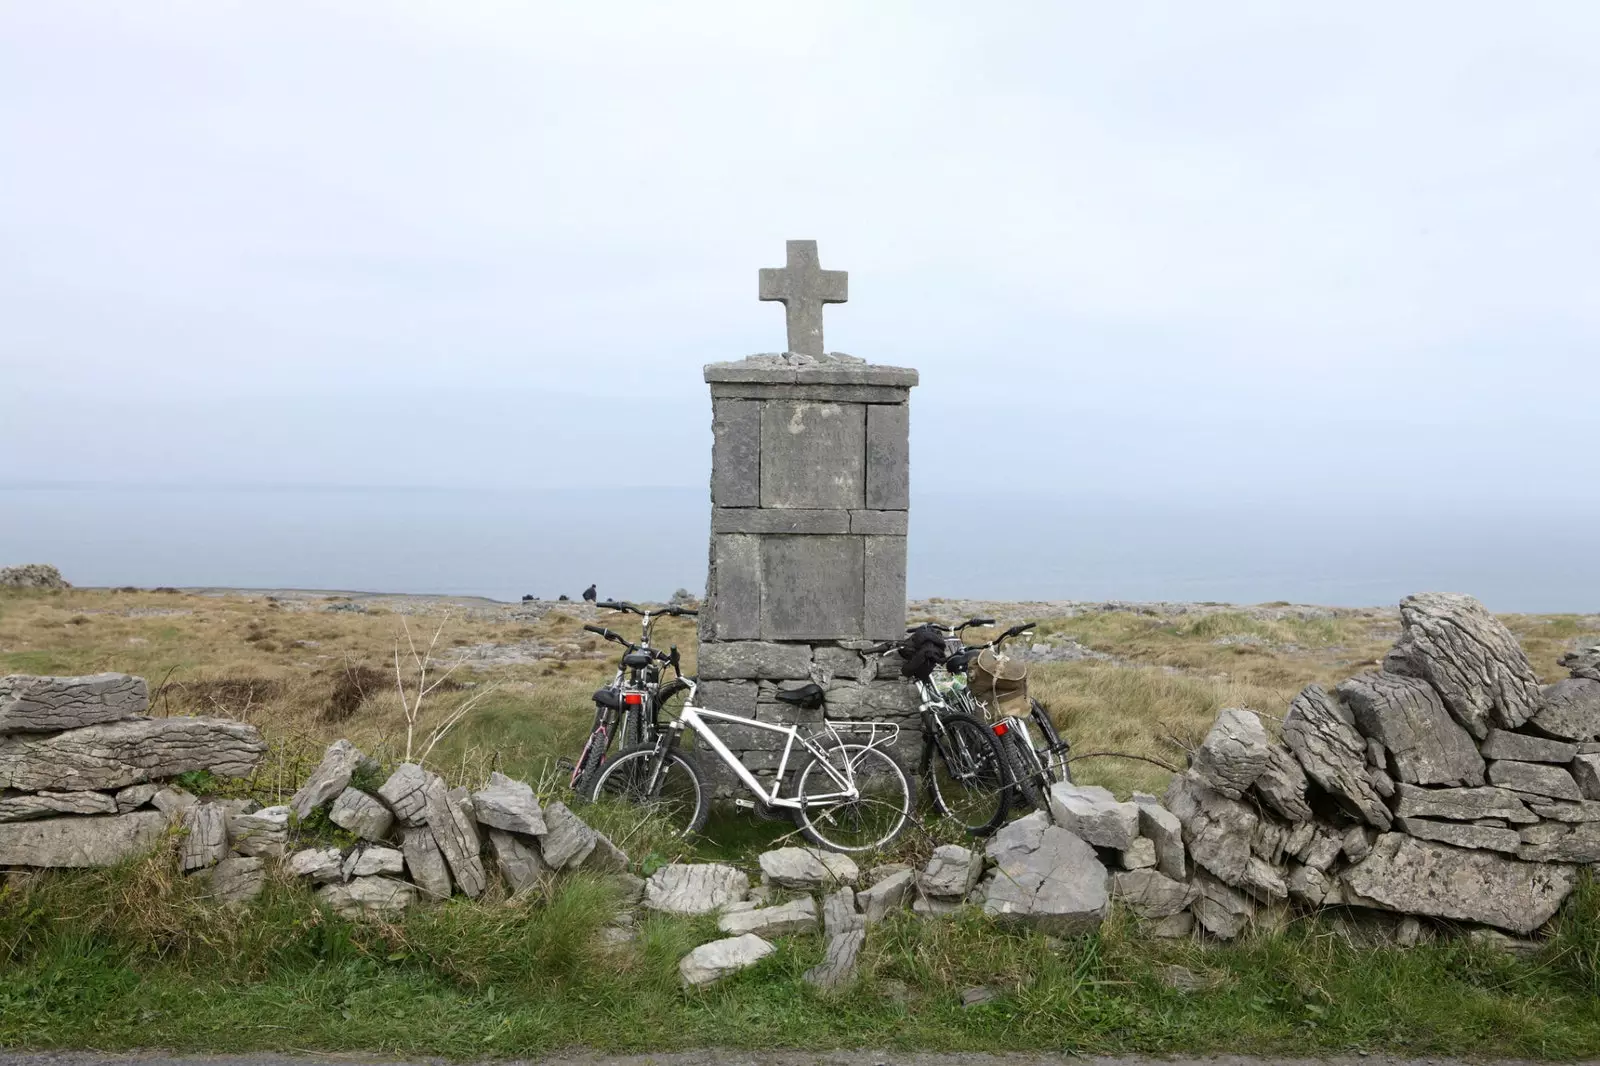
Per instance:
(618,605)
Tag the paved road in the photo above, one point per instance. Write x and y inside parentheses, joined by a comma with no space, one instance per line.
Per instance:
(714,1057)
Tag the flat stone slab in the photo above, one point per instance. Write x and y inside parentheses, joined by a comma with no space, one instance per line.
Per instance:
(1426,746)
(1093,813)
(263,832)
(425,862)
(449,814)
(76,841)
(509,804)
(1461,834)
(754,659)
(361,814)
(519,861)
(838,965)
(1503,744)
(128,752)
(379,896)
(405,793)
(951,873)
(1540,779)
(808,869)
(1217,831)
(331,777)
(1411,876)
(1164,830)
(205,836)
(695,888)
(371,861)
(28,805)
(1471,659)
(1045,877)
(887,895)
(1463,804)
(1321,732)
(569,843)
(796,916)
(48,704)
(322,865)
(236,880)
(1571,709)
(720,958)
(1151,894)
(1234,752)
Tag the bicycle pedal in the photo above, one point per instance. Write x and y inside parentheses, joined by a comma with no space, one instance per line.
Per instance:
(744,804)
(565,764)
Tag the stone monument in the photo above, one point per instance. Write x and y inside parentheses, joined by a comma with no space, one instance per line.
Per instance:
(809,497)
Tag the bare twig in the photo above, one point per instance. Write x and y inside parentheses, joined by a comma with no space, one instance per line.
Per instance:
(1125,755)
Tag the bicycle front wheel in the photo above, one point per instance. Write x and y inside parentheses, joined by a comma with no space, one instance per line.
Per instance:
(678,797)
(967,775)
(871,820)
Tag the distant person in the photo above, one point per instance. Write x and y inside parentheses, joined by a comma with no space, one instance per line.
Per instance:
(588,594)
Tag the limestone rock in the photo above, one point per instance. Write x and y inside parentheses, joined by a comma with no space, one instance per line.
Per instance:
(838,965)
(1093,814)
(1262,880)
(205,837)
(1439,881)
(1164,830)
(49,704)
(1356,844)
(796,916)
(1173,927)
(1233,754)
(1584,663)
(1150,894)
(510,805)
(128,752)
(1220,910)
(519,861)
(928,907)
(1216,830)
(405,792)
(263,832)
(331,777)
(716,960)
(172,801)
(1580,844)
(135,796)
(888,895)
(1571,709)
(1462,804)
(1283,785)
(425,862)
(378,896)
(1141,854)
(21,806)
(694,888)
(449,817)
(1540,779)
(1322,734)
(237,879)
(808,869)
(1425,745)
(1308,885)
(839,914)
(1563,811)
(1586,772)
(569,843)
(1322,849)
(1461,834)
(951,873)
(95,840)
(322,865)
(361,814)
(1471,659)
(372,861)
(1503,744)
(1046,877)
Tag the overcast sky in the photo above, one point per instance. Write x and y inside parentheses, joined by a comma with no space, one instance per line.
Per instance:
(1261,252)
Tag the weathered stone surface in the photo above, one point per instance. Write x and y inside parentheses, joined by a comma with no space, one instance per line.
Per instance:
(786,521)
(1322,734)
(1578,844)
(425,862)
(1502,744)
(808,869)
(952,872)
(519,861)
(884,588)
(128,752)
(1093,814)
(96,840)
(1356,844)
(1563,810)
(1308,885)
(838,965)
(888,456)
(1216,830)
(796,916)
(1173,927)
(732,609)
(839,914)
(1584,663)
(449,816)
(1221,910)
(753,659)
(361,814)
(1164,830)
(694,888)
(322,865)
(510,805)
(1571,709)
(1151,894)
(716,960)
(1585,771)
(1471,659)
(1233,754)
(888,895)
(735,453)
(1425,745)
(1540,779)
(263,832)
(1462,804)
(369,861)
(1461,834)
(172,801)
(1046,877)
(205,837)
(237,879)
(48,704)
(405,793)
(801,438)
(1140,855)
(1437,880)
(135,796)
(22,806)
(329,779)
(812,587)
(928,907)
(879,523)
(1283,784)
(378,896)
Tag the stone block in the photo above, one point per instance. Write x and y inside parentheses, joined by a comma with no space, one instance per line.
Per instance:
(48,704)
(836,373)
(878,523)
(1540,779)
(425,862)
(508,804)
(330,778)
(802,439)
(1586,771)
(1503,744)
(733,587)
(780,520)
(884,608)
(716,960)
(729,697)
(128,752)
(812,587)
(735,453)
(888,457)
(1425,745)
(361,814)
(1461,835)
(94,840)
(760,390)
(751,659)
(26,805)
(1462,804)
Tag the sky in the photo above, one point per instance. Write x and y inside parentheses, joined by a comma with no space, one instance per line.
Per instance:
(1279,258)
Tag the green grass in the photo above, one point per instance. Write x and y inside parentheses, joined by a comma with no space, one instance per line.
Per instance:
(119,959)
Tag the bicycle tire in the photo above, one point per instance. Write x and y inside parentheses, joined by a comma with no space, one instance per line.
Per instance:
(883,808)
(665,699)
(685,808)
(589,762)
(977,796)
(1022,773)
(1054,753)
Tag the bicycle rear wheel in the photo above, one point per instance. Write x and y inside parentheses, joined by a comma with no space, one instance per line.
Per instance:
(678,796)
(1024,777)
(589,760)
(871,820)
(1053,749)
(967,777)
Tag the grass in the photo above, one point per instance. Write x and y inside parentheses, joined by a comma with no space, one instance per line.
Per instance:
(129,958)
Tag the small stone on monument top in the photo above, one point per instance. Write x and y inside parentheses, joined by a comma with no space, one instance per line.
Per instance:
(802,286)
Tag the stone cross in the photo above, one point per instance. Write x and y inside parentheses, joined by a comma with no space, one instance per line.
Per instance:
(803,287)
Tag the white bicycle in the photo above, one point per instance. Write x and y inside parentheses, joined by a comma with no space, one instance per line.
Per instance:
(852,794)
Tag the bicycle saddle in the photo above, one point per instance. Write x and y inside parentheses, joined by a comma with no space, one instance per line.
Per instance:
(636,659)
(608,698)
(807,696)
(959,662)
